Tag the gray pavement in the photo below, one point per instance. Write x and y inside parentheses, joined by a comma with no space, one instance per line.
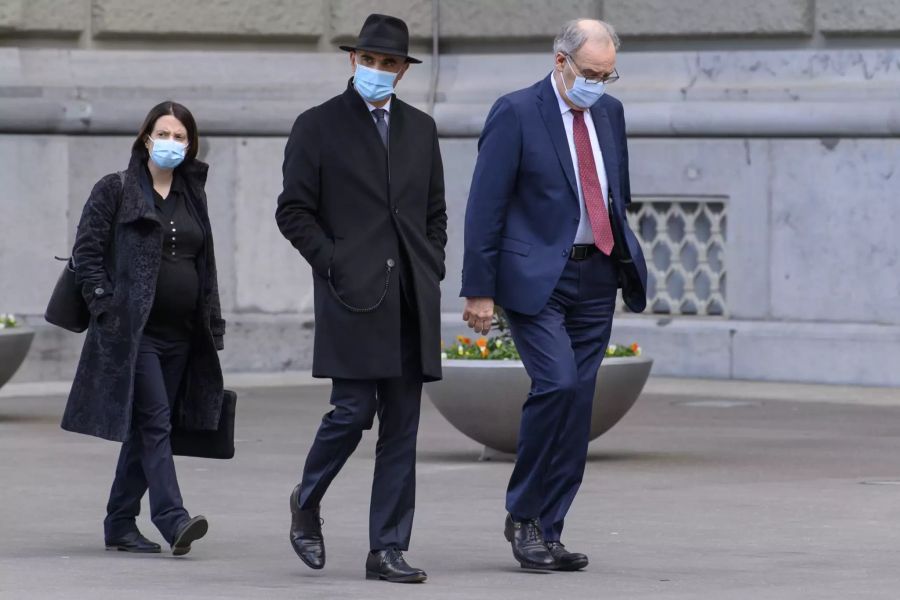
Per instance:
(691,496)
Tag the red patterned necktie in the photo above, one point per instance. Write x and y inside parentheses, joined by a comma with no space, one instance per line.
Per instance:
(590,187)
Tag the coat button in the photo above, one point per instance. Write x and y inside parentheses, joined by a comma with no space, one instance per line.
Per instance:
(99,292)
(565,252)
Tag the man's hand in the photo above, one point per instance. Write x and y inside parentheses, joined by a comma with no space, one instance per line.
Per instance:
(479,313)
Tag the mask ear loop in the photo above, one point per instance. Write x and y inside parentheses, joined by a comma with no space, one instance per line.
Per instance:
(571,66)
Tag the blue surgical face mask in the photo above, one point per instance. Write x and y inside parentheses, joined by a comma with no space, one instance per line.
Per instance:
(583,94)
(167,154)
(372,84)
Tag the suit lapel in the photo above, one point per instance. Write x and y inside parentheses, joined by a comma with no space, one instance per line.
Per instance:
(365,134)
(398,149)
(549,109)
(363,121)
(607,148)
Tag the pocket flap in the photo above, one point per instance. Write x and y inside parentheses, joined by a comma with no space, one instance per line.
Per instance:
(511,245)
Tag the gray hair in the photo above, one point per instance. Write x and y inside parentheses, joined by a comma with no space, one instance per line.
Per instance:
(573,36)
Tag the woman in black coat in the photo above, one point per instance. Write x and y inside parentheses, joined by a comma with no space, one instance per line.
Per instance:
(144,259)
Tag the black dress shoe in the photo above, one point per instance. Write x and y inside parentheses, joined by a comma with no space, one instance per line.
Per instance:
(188,533)
(565,560)
(133,541)
(528,545)
(306,533)
(389,565)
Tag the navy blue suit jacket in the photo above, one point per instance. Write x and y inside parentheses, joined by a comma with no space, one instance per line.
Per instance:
(523,209)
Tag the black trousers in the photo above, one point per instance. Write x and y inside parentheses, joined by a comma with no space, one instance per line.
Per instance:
(396,401)
(145,460)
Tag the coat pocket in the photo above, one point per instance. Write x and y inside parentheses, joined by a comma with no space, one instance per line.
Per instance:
(101,305)
(515,246)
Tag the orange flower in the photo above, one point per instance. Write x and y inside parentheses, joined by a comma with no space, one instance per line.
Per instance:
(635,347)
(463,340)
(481,342)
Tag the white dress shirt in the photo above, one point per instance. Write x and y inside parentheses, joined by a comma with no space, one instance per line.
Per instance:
(584,235)
(387,112)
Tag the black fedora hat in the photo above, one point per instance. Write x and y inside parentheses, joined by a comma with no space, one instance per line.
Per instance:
(384,34)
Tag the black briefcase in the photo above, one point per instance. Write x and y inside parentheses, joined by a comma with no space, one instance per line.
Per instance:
(218,443)
(67,308)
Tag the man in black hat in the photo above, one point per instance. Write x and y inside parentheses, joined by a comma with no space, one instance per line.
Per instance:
(363,202)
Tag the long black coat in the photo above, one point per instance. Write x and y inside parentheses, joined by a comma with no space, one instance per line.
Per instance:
(348,218)
(117,256)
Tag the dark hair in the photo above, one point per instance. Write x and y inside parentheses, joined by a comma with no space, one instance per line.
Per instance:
(180,112)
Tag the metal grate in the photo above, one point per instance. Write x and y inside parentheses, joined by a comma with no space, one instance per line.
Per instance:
(684,243)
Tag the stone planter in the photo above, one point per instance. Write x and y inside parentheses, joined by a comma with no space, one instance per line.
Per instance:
(483,399)
(14,345)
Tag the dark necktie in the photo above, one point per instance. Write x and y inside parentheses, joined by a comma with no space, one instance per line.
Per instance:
(381,124)
(590,186)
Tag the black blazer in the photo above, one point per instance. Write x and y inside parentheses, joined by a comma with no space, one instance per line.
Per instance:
(349,206)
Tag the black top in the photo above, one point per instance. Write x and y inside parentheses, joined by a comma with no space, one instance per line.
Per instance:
(178,285)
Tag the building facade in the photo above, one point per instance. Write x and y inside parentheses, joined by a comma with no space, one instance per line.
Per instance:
(764,152)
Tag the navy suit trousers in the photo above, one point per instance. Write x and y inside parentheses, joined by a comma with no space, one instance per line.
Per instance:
(562,347)
(145,460)
(396,401)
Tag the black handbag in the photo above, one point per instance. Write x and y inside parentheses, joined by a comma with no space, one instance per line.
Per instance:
(67,308)
(218,443)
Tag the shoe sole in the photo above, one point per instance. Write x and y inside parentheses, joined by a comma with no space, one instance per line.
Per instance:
(295,500)
(371,575)
(195,530)
(575,566)
(123,549)
(537,567)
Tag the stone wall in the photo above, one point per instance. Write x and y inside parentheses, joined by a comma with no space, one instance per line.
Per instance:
(784,111)
(327,22)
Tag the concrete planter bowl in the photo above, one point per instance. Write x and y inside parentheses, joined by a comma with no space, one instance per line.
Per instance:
(14,345)
(483,398)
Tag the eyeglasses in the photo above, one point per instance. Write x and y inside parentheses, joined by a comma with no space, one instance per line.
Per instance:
(611,78)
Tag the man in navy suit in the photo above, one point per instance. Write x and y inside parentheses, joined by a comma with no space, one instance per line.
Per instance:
(547,240)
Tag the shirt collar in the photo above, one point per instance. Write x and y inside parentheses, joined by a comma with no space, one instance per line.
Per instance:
(563,107)
(386,107)
(177,186)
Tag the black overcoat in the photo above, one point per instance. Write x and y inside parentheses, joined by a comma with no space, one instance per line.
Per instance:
(349,206)
(117,255)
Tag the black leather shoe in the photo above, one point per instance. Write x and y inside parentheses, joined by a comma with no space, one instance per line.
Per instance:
(306,533)
(565,560)
(133,541)
(528,545)
(389,565)
(188,533)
